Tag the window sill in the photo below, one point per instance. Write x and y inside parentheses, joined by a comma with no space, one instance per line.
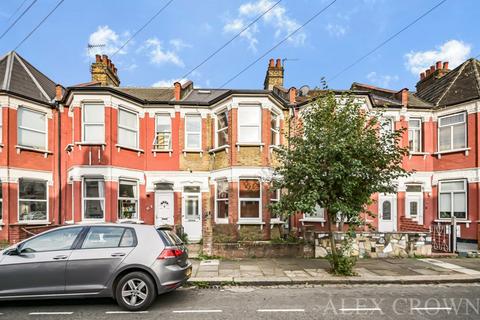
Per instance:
(155,151)
(185,151)
(276,221)
(221,148)
(416,154)
(249,144)
(250,223)
(313,220)
(119,146)
(221,221)
(450,221)
(275,147)
(90,143)
(24,148)
(31,223)
(440,153)
(92,221)
(133,221)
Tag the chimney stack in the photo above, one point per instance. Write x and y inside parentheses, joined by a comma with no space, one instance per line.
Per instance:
(104,71)
(274,76)
(432,74)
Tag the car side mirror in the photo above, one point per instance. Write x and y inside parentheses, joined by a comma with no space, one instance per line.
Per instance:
(17,251)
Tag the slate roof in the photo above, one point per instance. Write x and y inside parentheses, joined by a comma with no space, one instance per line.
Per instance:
(149,93)
(459,85)
(18,76)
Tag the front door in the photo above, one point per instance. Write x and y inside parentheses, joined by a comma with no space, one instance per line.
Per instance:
(387,213)
(192,213)
(164,208)
(414,206)
(40,267)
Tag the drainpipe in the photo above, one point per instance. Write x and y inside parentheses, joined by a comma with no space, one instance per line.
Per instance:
(59,161)
(292,117)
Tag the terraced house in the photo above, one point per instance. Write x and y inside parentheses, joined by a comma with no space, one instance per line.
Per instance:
(186,156)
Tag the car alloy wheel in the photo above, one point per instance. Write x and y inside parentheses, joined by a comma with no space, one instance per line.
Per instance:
(134,292)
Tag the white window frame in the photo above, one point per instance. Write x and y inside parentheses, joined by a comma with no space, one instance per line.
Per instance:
(85,198)
(452,192)
(135,130)
(186,195)
(22,108)
(275,130)
(259,200)
(451,131)
(136,199)
(155,144)
(315,218)
(413,130)
(240,125)
(217,200)
(85,123)
(33,200)
(218,131)
(199,133)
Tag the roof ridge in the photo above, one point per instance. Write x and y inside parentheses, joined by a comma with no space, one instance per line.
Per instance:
(462,66)
(35,80)
(476,64)
(8,73)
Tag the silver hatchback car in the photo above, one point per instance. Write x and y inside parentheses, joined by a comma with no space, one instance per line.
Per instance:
(129,262)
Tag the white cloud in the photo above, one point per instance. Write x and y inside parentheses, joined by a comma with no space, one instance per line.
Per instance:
(166,83)
(383,81)
(336,30)
(158,55)
(109,39)
(276,18)
(179,44)
(453,51)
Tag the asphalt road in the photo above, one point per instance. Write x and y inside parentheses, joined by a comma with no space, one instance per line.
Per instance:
(302,302)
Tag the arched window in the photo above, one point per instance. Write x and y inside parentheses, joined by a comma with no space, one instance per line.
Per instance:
(386,210)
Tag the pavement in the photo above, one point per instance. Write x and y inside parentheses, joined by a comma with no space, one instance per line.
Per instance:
(372,302)
(288,271)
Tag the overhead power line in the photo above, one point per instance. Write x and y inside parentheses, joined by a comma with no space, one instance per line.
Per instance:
(230,41)
(386,41)
(19,17)
(279,43)
(143,27)
(16,10)
(38,25)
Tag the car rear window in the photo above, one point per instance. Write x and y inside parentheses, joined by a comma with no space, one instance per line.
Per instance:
(170,238)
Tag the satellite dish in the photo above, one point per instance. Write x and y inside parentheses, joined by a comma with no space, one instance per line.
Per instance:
(304,90)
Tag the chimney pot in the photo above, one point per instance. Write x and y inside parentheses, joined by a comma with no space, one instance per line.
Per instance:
(104,58)
(422,75)
(438,65)
(445,65)
(427,72)
(271,63)
(432,69)
(98,58)
(279,63)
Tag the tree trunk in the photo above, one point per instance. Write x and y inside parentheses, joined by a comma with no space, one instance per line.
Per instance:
(333,246)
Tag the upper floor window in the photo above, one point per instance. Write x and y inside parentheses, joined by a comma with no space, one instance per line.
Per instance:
(193,132)
(317,214)
(93,123)
(163,132)
(93,199)
(453,199)
(275,129)
(32,128)
(249,124)
(32,200)
(127,200)
(452,132)
(127,128)
(249,197)
(415,135)
(221,129)
(221,199)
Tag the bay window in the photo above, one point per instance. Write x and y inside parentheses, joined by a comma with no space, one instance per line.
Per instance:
(274,129)
(453,199)
(249,124)
(221,201)
(32,128)
(127,200)
(93,126)
(221,129)
(193,132)
(452,132)
(127,128)
(163,132)
(249,199)
(415,135)
(32,200)
(93,199)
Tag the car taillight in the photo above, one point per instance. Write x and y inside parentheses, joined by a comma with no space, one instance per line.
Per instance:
(170,253)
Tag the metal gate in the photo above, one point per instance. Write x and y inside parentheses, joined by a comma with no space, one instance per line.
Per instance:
(441,237)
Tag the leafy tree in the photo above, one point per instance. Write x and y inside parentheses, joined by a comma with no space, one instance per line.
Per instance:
(337,156)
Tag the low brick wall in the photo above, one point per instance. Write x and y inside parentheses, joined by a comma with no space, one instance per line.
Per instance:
(262,249)
(379,245)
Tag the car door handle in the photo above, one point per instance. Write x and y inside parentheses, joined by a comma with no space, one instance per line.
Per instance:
(61,257)
(118,254)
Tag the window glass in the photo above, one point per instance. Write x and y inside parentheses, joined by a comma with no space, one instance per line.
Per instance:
(61,239)
(127,200)
(93,123)
(32,131)
(415,135)
(103,237)
(318,213)
(222,199)
(222,129)
(163,132)
(459,136)
(452,132)
(444,139)
(445,205)
(193,132)
(386,210)
(459,205)
(192,206)
(128,239)
(414,188)
(94,199)
(32,200)
(249,188)
(453,199)
(452,186)
(274,129)
(249,119)
(249,194)
(127,128)
(413,208)
(249,209)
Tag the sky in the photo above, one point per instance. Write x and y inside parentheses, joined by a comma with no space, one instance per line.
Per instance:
(187,31)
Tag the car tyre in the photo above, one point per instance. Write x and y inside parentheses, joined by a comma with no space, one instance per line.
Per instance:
(135,291)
